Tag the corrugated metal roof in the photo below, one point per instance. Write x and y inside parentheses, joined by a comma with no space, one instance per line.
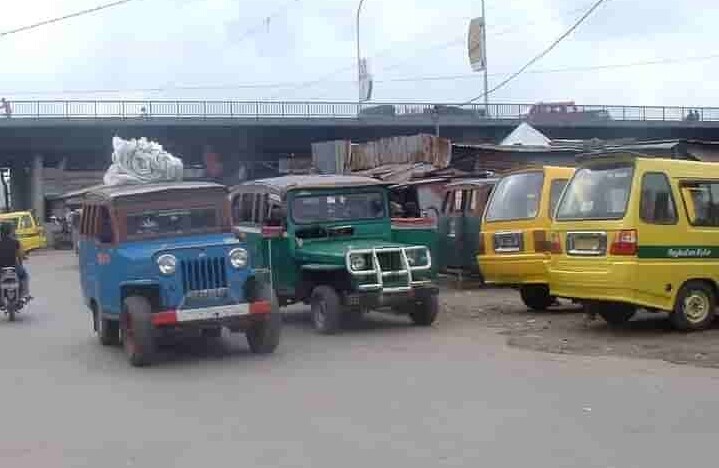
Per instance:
(292,182)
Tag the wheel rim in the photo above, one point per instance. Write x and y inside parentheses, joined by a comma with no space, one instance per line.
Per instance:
(696,306)
(320,314)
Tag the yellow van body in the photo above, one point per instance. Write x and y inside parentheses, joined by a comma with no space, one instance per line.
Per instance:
(634,232)
(514,244)
(27,230)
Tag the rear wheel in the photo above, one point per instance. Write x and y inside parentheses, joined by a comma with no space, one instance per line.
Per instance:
(11,311)
(695,306)
(536,296)
(263,337)
(424,313)
(108,331)
(614,313)
(136,327)
(326,310)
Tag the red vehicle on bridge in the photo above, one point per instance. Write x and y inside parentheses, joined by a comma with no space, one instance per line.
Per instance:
(564,112)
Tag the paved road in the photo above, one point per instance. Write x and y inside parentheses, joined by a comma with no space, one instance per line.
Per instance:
(384,395)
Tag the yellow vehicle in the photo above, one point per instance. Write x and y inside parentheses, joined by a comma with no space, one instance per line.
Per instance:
(28,231)
(514,247)
(633,232)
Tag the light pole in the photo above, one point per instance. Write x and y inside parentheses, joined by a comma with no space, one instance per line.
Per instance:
(484,54)
(359,57)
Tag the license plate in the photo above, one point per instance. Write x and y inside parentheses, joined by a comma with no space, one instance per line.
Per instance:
(587,243)
(508,242)
(213,313)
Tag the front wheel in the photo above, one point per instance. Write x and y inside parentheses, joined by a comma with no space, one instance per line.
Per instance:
(615,314)
(326,310)
(695,307)
(108,331)
(263,337)
(424,313)
(536,296)
(11,311)
(136,328)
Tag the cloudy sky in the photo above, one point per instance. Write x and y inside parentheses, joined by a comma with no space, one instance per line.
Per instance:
(305,49)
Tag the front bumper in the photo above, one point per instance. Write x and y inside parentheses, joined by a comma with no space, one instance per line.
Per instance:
(378,299)
(223,315)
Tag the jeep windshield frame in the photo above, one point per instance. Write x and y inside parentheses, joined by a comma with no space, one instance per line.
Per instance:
(319,207)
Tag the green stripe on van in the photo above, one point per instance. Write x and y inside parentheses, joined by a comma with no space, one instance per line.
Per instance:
(679,251)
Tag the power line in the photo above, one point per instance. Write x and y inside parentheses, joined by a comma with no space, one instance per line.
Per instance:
(266,21)
(65,17)
(543,53)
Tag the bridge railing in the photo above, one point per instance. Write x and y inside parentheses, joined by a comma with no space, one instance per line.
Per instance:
(344,110)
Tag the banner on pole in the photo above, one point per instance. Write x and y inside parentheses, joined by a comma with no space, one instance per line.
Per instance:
(475,45)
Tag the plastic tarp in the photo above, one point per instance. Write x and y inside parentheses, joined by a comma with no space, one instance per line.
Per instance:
(526,135)
(140,162)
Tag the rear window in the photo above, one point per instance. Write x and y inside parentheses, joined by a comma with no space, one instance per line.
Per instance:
(516,197)
(597,193)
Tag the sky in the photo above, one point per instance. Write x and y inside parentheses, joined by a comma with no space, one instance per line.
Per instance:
(306,50)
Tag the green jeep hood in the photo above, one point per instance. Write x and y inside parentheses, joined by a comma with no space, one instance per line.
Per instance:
(333,252)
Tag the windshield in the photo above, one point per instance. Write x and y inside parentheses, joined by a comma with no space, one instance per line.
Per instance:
(516,197)
(172,222)
(597,193)
(338,207)
(11,221)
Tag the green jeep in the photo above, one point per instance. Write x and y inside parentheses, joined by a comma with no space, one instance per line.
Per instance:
(330,242)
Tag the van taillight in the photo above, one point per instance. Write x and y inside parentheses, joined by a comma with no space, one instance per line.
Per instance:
(541,243)
(625,243)
(556,243)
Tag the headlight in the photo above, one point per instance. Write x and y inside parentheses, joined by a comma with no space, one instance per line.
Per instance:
(167,264)
(418,257)
(238,258)
(358,262)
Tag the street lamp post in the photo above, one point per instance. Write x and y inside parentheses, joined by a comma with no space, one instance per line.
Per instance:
(484,54)
(359,57)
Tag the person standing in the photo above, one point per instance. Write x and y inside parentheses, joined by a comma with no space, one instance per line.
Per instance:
(5,104)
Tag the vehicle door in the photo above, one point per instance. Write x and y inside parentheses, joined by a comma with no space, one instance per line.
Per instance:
(274,228)
(88,252)
(28,233)
(452,229)
(106,279)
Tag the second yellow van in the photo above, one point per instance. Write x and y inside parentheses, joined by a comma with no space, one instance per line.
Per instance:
(514,240)
(636,232)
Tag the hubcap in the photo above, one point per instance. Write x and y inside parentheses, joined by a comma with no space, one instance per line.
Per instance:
(696,306)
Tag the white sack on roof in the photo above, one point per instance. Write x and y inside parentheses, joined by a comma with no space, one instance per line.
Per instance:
(526,135)
(140,162)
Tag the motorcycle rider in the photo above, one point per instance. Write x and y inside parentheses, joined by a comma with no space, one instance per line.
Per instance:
(11,255)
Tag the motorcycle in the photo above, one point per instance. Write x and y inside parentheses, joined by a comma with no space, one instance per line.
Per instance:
(11,298)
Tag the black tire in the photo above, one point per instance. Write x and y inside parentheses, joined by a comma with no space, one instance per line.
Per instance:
(263,337)
(326,310)
(615,314)
(424,313)
(108,331)
(212,333)
(137,331)
(695,307)
(11,311)
(536,296)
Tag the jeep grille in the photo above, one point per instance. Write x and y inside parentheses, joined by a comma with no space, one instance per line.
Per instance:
(203,273)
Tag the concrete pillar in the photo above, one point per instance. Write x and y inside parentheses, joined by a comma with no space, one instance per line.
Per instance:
(37,189)
(20,187)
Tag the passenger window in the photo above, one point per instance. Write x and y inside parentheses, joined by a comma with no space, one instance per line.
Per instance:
(458,199)
(242,208)
(90,221)
(104,232)
(25,222)
(260,207)
(555,191)
(448,202)
(657,204)
(702,202)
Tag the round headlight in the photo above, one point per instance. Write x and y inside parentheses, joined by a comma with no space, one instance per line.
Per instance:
(167,264)
(238,258)
(358,262)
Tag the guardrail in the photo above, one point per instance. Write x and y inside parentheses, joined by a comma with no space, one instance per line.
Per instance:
(346,110)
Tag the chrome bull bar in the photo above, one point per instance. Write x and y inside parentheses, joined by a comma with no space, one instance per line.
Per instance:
(375,268)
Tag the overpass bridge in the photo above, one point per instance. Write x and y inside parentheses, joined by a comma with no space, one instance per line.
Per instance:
(77,134)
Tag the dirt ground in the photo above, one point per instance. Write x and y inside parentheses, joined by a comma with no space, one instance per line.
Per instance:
(564,329)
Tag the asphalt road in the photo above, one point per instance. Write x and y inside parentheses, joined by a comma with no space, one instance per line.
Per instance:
(383,395)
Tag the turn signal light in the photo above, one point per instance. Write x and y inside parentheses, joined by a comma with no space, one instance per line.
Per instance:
(556,243)
(625,243)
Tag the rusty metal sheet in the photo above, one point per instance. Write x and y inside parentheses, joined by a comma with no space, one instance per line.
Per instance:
(422,148)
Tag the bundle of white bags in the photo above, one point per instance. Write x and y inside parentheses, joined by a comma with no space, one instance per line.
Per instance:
(141,162)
